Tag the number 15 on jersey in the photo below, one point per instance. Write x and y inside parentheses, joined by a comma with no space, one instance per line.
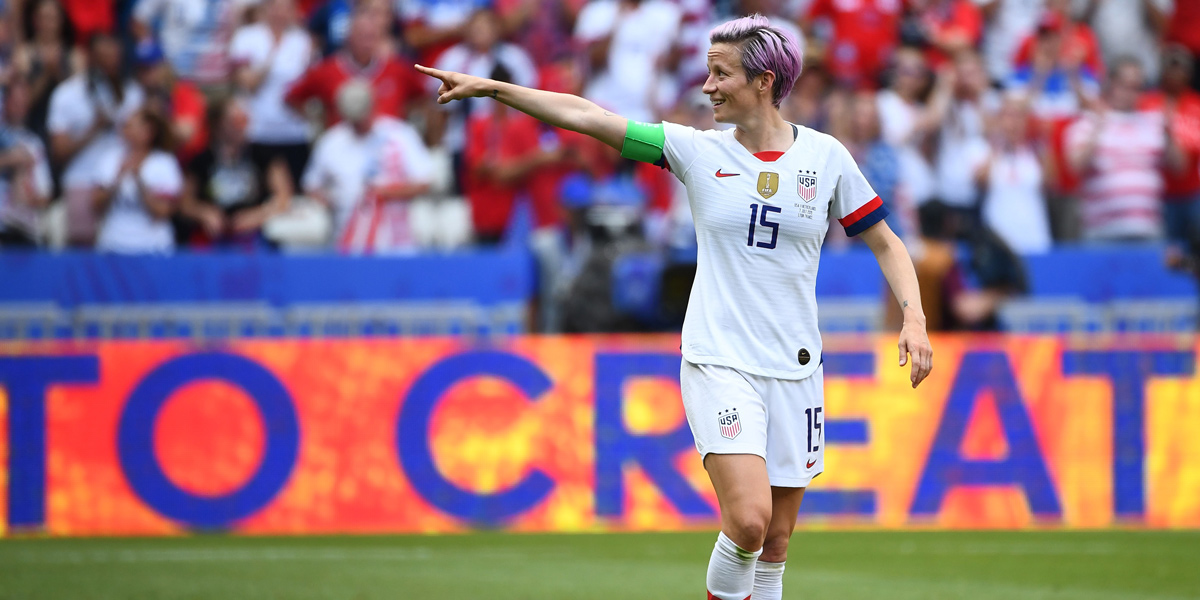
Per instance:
(762,219)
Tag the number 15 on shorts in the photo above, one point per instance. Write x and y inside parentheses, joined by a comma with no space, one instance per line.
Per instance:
(814,424)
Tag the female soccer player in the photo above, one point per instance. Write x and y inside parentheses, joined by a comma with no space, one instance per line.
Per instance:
(761,195)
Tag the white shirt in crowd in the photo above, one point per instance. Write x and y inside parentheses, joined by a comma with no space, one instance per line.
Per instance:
(12,213)
(1013,21)
(462,59)
(74,106)
(194,34)
(760,225)
(1119,197)
(1014,204)
(1122,29)
(343,162)
(962,148)
(438,14)
(640,37)
(271,120)
(128,228)
(898,120)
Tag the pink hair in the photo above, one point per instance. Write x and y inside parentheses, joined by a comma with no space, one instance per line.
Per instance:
(764,48)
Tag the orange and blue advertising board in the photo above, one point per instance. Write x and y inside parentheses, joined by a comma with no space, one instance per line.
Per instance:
(576,433)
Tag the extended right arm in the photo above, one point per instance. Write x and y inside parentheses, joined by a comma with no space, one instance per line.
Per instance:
(560,110)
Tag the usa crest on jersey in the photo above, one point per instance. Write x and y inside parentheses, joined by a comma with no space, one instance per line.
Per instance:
(730,424)
(806,185)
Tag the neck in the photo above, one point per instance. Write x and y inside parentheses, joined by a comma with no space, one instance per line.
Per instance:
(763,131)
(357,62)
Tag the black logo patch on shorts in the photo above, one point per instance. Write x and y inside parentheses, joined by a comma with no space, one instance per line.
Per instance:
(803,356)
(730,424)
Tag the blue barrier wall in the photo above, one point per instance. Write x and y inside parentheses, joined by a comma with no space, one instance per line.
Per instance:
(1092,274)
(73,279)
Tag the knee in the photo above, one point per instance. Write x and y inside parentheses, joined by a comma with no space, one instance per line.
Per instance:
(747,527)
(775,546)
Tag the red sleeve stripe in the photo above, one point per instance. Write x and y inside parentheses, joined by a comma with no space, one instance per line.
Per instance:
(862,211)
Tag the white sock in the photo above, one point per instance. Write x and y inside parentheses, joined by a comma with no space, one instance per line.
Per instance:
(768,580)
(730,570)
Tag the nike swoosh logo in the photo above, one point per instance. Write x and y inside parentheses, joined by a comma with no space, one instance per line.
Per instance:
(720,174)
(811,463)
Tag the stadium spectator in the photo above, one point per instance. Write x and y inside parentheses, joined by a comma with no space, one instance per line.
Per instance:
(908,121)
(1184,29)
(626,42)
(432,26)
(9,47)
(25,183)
(137,189)
(1014,199)
(962,144)
(1077,39)
(366,169)
(194,35)
(865,33)
(809,103)
(480,53)
(394,84)
(1181,108)
(1008,23)
(944,27)
(223,202)
(329,24)
(1130,28)
(1058,78)
(541,27)
(1118,151)
(180,101)
(858,128)
(268,57)
(47,57)
(502,151)
(84,109)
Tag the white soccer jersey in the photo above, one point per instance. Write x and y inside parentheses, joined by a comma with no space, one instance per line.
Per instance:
(760,222)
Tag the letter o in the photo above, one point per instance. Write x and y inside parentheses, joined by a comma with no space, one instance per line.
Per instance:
(135,440)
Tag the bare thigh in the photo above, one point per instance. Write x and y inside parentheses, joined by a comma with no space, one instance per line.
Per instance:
(745,495)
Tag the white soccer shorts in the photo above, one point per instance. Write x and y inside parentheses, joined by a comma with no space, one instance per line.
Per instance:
(781,420)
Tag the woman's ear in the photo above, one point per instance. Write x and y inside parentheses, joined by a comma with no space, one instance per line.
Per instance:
(766,81)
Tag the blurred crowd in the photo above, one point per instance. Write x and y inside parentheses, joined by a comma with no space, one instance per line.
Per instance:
(1000,126)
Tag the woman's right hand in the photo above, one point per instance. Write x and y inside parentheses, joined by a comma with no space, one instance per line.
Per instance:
(457,86)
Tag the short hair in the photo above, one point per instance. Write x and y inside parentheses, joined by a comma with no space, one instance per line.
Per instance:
(764,48)
(1125,61)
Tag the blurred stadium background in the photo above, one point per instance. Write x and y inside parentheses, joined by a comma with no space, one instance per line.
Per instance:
(355,345)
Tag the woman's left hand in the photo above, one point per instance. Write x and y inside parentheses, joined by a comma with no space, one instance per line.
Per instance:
(914,343)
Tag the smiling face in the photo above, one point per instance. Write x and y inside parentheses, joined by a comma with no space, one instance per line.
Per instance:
(728,89)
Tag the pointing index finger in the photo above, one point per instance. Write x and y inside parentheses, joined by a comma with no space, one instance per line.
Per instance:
(431,72)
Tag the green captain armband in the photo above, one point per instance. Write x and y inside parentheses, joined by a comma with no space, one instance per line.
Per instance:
(644,142)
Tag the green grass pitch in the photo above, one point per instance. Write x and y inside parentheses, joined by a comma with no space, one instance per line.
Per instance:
(843,565)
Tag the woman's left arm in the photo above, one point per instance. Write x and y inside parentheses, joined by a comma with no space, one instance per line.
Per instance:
(898,268)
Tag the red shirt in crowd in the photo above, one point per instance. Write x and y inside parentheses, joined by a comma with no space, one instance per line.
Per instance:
(89,16)
(958,19)
(1076,37)
(497,140)
(395,85)
(187,105)
(865,32)
(1185,128)
(1184,27)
